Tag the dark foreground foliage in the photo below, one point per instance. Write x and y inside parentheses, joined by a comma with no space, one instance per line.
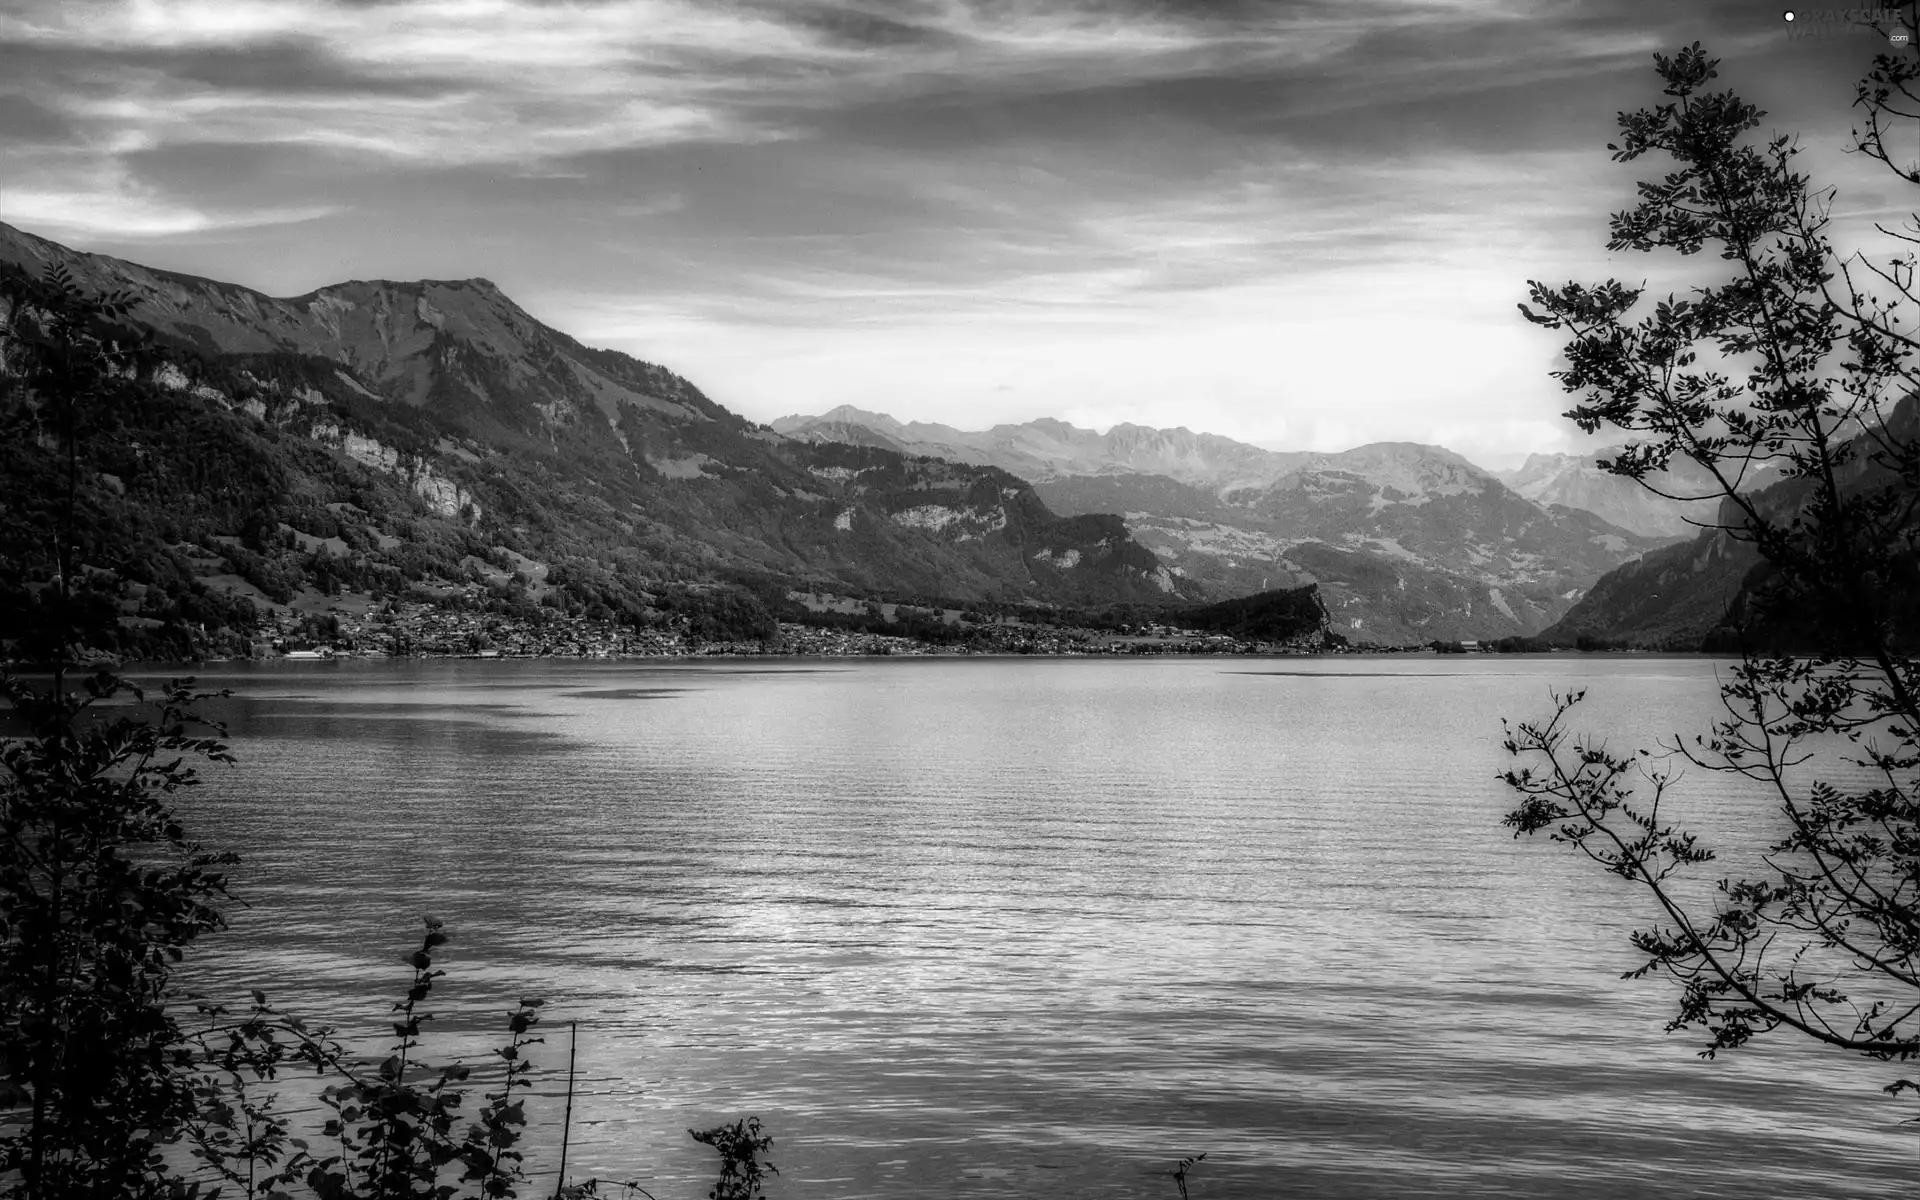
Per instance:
(101,893)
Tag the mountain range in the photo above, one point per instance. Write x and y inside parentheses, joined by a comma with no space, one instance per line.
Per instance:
(1407,542)
(378,436)
(1048,449)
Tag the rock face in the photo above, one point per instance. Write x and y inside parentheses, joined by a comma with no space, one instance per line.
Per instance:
(1409,543)
(521,436)
(443,496)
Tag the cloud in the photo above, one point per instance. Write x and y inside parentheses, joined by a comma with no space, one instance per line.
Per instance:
(1242,215)
(111,203)
(447,81)
(453,81)
(134,216)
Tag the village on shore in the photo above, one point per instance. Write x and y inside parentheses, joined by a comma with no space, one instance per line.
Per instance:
(458,624)
(423,630)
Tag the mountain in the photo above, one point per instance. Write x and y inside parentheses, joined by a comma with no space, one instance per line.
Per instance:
(459,349)
(1696,594)
(1576,481)
(1408,543)
(389,434)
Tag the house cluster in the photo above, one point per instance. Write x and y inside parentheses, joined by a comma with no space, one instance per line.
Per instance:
(813,640)
(409,629)
(425,630)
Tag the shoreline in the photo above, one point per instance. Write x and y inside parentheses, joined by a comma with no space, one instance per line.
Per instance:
(802,655)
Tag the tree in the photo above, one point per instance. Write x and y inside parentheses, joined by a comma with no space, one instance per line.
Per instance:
(1796,361)
(66,362)
(101,890)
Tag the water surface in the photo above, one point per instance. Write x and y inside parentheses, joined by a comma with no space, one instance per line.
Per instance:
(986,928)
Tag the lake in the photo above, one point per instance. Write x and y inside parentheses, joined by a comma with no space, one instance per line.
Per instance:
(1021,927)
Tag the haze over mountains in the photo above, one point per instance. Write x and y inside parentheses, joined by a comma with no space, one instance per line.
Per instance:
(1408,542)
(1576,481)
(1047,449)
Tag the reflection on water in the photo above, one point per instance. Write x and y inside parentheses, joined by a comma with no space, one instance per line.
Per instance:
(1021,928)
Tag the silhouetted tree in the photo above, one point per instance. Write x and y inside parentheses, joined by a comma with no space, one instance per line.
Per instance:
(101,890)
(1795,361)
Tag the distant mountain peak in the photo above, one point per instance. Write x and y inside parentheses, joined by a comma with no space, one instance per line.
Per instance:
(844,414)
(1413,450)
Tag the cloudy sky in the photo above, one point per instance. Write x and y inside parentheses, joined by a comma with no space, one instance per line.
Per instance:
(1303,223)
